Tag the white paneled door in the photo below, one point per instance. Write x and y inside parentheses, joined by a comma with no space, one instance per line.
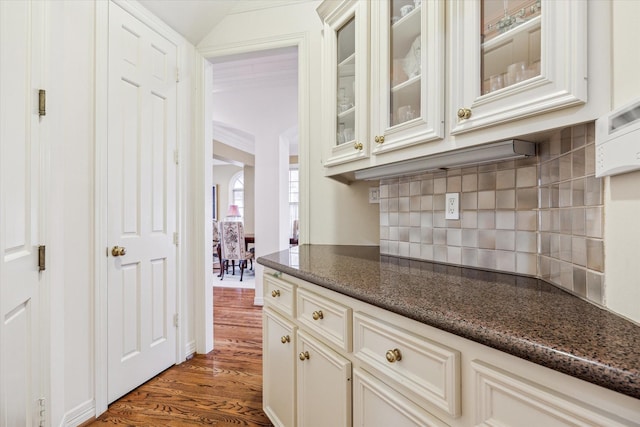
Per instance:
(141,203)
(22,163)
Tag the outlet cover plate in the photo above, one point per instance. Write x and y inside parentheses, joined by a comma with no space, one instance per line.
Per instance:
(374,194)
(452,206)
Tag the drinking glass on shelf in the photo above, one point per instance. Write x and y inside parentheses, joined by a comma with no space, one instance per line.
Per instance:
(348,135)
(496,82)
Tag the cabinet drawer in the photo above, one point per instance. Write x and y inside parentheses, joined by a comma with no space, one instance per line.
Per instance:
(418,367)
(332,321)
(507,400)
(279,294)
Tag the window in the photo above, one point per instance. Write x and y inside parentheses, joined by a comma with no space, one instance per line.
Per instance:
(294,200)
(236,196)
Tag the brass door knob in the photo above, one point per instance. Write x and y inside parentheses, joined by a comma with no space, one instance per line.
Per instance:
(358,146)
(275,293)
(304,355)
(317,315)
(393,355)
(464,113)
(379,139)
(285,339)
(118,251)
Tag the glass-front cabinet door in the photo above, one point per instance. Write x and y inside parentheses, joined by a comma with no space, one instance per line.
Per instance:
(407,72)
(512,59)
(345,74)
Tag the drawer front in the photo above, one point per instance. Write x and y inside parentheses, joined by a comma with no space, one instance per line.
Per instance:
(332,321)
(279,294)
(420,368)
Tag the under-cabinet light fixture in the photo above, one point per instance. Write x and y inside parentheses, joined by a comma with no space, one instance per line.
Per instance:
(497,151)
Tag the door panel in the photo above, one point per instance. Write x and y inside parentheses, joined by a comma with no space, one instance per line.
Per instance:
(141,203)
(21,163)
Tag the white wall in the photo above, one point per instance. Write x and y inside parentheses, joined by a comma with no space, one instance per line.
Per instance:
(622,198)
(70,240)
(221,176)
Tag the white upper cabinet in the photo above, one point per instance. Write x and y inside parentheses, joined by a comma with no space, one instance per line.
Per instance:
(345,88)
(407,73)
(512,59)
(511,69)
(383,74)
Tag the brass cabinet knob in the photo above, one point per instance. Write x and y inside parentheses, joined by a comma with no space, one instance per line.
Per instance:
(304,355)
(118,251)
(393,355)
(317,315)
(358,145)
(464,113)
(275,293)
(379,139)
(285,339)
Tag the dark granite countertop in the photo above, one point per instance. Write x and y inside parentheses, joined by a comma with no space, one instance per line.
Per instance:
(523,316)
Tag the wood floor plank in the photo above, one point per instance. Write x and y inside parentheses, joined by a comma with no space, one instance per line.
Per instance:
(222,388)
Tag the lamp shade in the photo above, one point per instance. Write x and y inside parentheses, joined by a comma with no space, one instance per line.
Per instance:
(233,211)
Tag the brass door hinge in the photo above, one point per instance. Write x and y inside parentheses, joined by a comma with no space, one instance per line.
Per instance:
(42,102)
(42,254)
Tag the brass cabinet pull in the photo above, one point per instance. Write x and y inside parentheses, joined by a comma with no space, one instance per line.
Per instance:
(379,139)
(393,355)
(317,315)
(275,293)
(358,146)
(304,355)
(464,113)
(118,251)
(285,339)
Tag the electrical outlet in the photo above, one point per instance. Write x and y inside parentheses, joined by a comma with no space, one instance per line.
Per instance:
(452,206)
(374,194)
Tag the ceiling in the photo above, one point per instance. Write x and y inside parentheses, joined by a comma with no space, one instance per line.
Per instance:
(194,19)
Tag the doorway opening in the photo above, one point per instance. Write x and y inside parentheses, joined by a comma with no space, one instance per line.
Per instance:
(255,135)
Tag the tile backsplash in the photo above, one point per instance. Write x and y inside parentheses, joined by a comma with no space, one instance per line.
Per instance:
(541,216)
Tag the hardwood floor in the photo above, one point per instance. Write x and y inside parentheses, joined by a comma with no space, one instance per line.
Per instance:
(222,388)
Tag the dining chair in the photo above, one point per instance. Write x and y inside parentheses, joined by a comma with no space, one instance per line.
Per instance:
(233,247)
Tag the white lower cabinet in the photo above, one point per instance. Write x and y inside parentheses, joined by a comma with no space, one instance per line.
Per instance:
(278,371)
(376,404)
(507,400)
(334,361)
(324,385)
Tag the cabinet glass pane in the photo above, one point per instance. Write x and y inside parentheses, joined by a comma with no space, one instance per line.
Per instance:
(510,35)
(405,60)
(345,123)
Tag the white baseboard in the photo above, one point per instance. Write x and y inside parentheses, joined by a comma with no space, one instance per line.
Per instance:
(78,415)
(190,348)
(258,301)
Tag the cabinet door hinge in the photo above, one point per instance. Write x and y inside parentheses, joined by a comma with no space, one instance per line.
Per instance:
(175,238)
(42,102)
(42,409)
(42,257)
(176,320)
(176,156)
(177,74)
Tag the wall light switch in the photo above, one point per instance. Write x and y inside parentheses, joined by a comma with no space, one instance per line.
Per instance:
(374,194)
(452,206)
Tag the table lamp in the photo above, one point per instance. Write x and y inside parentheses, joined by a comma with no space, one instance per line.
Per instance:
(233,212)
